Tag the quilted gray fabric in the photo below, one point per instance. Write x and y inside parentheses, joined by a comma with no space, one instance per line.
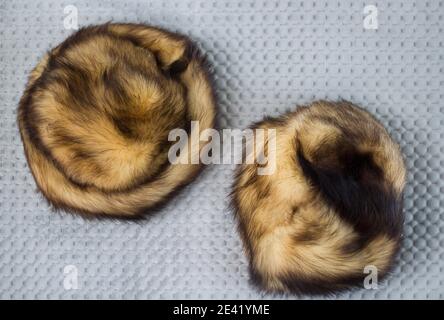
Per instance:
(268,56)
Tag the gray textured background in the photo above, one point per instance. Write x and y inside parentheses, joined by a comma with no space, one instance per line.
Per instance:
(268,56)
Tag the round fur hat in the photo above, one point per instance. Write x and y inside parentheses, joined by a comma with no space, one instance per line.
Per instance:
(328,210)
(96,115)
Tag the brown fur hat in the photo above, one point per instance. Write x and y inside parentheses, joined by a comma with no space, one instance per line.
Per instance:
(332,206)
(97,111)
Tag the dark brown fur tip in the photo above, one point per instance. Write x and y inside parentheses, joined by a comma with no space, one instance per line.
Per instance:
(96,115)
(332,206)
(181,64)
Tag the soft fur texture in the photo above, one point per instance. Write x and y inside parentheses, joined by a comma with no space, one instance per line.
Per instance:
(96,114)
(333,205)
